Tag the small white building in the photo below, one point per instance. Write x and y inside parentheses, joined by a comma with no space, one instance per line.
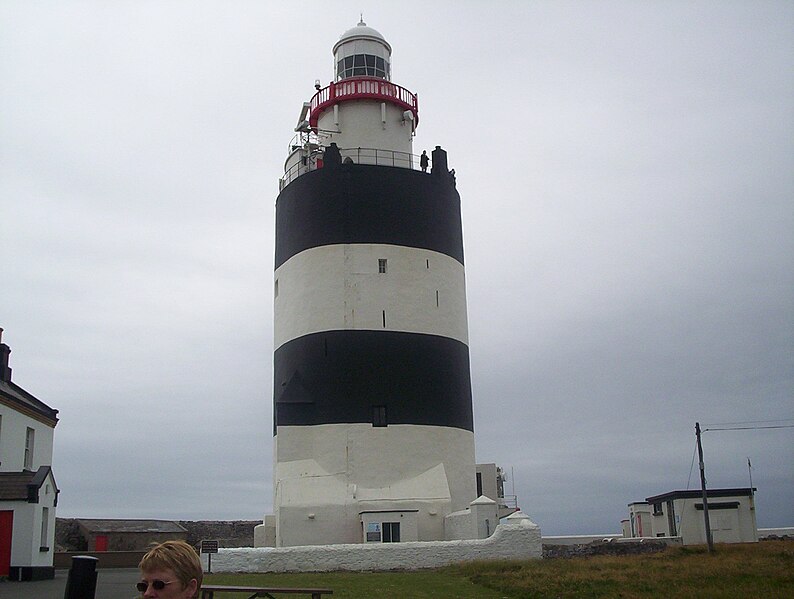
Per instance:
(28,492)
(680,514)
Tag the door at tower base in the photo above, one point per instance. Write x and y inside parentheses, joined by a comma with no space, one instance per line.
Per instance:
(425,471)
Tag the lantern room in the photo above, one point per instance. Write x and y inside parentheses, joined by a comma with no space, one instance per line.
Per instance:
(362,52)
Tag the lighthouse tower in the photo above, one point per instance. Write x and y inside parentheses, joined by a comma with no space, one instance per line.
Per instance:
(373,428)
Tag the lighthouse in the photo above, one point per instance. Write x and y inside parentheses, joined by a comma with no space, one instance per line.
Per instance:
(372,406)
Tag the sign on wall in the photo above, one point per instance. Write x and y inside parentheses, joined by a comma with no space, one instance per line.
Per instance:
(373,532)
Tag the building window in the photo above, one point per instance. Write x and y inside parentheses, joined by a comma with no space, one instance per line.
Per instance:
(437,298)
(381,265)
(29,437)
(479,484)
(366,65)
(275,289)
(379,416)
(384,319)
(657,509)
(45,526)
(391,532)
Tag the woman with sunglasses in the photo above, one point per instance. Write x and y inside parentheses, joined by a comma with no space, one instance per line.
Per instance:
(170,570)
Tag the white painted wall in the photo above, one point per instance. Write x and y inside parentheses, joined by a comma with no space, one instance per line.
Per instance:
(336,471)
(360,124)
(516,538)
(13,427)
(459,526)
(338,287)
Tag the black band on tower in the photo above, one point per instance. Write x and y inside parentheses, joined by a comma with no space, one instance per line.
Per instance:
(360,203)
(340,376)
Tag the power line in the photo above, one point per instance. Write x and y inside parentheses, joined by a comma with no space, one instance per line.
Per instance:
(749,422)
(747,428)
(743,422)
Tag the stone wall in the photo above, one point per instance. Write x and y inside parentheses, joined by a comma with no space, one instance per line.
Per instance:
(516,538)
(68,536)
(228,533)
(551,551)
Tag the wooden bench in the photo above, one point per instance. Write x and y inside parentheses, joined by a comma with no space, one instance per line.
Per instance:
(208,591)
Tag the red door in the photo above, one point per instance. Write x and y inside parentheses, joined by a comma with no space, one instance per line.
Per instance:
(6,529)
(101,543)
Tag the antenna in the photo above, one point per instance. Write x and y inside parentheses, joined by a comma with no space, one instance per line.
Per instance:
(749,469)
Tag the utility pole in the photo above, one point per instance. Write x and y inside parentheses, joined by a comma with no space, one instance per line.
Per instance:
(709,540)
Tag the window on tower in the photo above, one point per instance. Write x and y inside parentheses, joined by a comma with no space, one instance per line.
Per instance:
(379,416)
(382,265)
(362,65)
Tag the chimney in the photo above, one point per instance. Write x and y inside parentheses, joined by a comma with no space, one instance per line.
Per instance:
(5,371)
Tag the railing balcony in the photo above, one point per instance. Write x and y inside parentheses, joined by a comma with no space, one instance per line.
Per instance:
(509,501)
(362,88)
(373,156)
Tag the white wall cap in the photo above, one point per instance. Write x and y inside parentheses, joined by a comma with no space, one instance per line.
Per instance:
(519,519)
(483,500)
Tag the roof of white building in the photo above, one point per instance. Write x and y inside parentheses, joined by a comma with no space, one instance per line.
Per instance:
(24,485)
(697,493)
(16,397)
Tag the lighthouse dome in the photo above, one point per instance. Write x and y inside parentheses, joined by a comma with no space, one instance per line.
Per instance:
(362,52)
(362,31)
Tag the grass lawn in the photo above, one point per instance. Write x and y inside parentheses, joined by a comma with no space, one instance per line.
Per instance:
(751,570)
(420,584)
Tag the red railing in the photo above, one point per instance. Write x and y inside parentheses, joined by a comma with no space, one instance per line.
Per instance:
(362,88)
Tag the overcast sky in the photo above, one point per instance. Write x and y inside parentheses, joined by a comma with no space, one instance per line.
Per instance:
(626,172)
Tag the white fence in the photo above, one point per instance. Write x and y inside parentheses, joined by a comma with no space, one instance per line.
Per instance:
(516,538)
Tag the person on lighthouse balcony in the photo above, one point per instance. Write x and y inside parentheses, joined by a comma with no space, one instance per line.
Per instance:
(424,161)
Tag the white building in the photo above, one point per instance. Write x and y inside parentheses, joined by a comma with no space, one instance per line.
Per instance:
(680,514)
(28,492)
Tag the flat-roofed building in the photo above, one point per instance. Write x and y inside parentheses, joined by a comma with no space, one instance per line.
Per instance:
(680,514)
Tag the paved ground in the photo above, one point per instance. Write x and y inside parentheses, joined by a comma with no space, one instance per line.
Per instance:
(112,583)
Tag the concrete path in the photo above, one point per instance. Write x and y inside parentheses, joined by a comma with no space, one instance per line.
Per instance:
(112,583)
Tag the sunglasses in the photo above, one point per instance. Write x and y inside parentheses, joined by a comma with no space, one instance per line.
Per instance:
(157,585)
